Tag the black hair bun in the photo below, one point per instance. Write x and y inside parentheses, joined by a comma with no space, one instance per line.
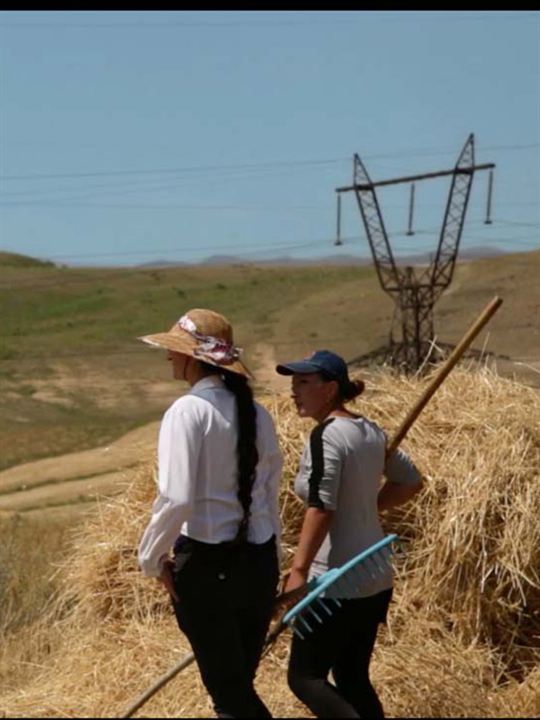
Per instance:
(354,388)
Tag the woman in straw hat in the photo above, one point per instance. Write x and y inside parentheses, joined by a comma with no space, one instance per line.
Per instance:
(219,469)
(339,480)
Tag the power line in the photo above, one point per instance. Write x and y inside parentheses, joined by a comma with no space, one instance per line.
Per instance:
(165,171)
(249,166)
(80,202)
(214,248)
(250,250)
(406,16)
(154,206)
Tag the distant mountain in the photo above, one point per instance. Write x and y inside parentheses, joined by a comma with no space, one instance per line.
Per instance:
(285,260)
(278,260)
(222,260)
(339,259)
(481,251)
(161,263)
(334,259)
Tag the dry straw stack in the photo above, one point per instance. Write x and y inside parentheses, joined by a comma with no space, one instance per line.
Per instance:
(464,630)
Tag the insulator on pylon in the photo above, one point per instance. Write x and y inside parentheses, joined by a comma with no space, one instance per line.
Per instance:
(488,220)
(338,229)
(410,231)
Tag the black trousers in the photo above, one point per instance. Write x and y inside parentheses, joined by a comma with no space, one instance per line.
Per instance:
(343,644)
(225,604)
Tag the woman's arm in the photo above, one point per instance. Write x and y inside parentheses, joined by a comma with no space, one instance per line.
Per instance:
(276,466)
(273,467)
(159,535)
(314,529)
(393,494)
(178,453)
(403,481)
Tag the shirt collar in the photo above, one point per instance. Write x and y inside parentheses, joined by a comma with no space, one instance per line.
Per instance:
(205,383)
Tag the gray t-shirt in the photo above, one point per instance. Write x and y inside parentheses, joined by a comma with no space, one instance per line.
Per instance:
(341,469)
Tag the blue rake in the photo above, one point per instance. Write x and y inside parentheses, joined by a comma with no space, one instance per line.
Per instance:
(344,580)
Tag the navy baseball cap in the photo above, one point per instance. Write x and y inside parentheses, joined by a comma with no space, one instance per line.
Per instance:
(331,365)
(319,361)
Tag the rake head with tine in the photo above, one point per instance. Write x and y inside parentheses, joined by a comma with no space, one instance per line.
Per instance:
(338,583)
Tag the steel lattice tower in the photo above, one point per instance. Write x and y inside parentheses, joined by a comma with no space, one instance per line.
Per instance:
(415,291)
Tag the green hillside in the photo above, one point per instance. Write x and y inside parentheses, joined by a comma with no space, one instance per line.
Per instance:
(8,259)
(74,375)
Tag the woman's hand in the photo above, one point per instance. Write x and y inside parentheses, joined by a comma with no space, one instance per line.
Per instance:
(166,578)
(297,578)
(293,589)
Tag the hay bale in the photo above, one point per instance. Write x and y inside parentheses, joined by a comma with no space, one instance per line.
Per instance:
(462,637)
(426,671)
(518,699)
(474,558)
(102,579)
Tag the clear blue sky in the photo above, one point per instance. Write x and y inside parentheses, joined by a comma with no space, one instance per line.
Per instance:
(127,137)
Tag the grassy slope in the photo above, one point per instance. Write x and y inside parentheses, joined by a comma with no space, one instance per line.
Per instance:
(74,331)
(75,376)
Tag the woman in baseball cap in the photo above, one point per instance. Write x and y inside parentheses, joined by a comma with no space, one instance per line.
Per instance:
(339,480)
(325,365)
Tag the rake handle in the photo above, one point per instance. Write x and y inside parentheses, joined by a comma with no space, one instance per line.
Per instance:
(456,354)
(163,680)
(182,664)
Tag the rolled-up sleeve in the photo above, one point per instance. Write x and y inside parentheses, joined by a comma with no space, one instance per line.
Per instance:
(159,536)
(179,445)
(401,470)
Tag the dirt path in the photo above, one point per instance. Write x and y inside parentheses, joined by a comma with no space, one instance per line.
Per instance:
(266,377)
(76,477)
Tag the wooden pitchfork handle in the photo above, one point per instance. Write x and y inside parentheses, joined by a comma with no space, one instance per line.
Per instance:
(403,429)
(163,680)
(456,354)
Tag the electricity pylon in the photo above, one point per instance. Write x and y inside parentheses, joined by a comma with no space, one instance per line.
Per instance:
(415,291)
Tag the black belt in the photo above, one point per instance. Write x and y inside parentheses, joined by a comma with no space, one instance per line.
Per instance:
(186,544)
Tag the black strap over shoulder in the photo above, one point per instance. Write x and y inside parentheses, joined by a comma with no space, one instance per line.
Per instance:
(317,464)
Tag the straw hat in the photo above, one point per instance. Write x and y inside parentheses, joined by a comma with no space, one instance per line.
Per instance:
(205,335)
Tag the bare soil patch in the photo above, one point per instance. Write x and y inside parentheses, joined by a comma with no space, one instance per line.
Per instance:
(76,477)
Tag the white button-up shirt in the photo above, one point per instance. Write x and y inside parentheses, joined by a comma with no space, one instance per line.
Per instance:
(198,476)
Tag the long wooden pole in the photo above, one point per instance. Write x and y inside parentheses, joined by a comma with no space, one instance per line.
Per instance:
(163,680)
(456,354)
(405,426)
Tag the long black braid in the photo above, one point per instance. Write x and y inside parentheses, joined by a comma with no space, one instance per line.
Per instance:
(246,445)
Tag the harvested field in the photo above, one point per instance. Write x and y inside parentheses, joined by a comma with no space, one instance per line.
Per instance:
(463,635)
